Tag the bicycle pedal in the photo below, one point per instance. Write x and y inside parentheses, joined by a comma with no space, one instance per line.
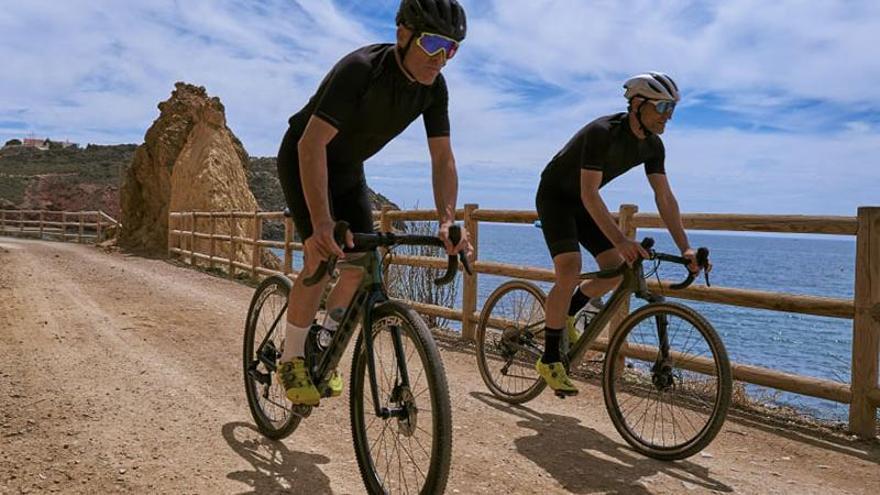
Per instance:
(302,411)
(561,394)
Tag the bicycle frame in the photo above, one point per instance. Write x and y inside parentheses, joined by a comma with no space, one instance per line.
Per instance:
(633,283)
(370,292)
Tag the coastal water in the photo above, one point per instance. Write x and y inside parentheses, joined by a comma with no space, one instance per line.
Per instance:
(806,265)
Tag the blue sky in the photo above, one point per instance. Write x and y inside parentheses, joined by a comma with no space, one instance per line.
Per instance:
(780,110)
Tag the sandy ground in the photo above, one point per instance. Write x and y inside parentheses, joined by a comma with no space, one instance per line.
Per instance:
(123,374)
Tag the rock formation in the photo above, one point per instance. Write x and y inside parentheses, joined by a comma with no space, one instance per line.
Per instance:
(190,161)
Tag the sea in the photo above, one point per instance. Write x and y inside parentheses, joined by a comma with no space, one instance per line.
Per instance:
(813,265)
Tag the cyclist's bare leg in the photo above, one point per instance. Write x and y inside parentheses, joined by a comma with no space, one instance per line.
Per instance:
(301,308)
(567,267)
(345,288)
(598,287)
(304,300)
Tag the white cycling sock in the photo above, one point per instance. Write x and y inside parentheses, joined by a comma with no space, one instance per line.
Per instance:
(294,342)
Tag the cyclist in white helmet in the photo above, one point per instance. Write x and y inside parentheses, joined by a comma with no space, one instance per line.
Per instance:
(573,214)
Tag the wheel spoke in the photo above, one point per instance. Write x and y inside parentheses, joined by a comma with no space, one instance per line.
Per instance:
(515,311)
(399,454)
(664,408)
(271,410)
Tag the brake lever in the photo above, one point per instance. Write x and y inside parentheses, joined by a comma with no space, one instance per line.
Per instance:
(703,262)
(454,239)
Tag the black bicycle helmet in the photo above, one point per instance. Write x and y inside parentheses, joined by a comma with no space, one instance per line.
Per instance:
(444,17)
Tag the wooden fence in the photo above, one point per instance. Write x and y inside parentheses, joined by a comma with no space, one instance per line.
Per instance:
(862,393)
(83,226)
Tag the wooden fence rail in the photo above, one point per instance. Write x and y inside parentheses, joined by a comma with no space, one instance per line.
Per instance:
(862,393)
(83,226)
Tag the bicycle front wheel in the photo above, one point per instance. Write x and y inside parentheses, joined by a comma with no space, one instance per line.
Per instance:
(263,343)
(510,340)
(667,381)
(403,443)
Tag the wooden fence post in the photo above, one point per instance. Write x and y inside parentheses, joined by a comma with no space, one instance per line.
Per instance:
(469,291)
(3,221)
(288,248)
(41,224)
(231,244)
(21,222)
(255,253)
(192,238)
(866,323)
(211,249)
(80,238)
(626,223)
(385,226)
(384,221)
(99,222)
(172,220)
(63,226)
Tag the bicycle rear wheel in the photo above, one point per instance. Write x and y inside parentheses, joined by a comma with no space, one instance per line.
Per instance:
(667,405)
(510,340)
(407,447)
(263,342)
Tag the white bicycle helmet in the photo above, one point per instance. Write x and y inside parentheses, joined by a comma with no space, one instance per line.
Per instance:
(653,86)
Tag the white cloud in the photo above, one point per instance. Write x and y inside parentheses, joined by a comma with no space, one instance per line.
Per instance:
(530,74)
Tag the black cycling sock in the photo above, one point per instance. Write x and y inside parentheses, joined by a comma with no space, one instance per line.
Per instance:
(578,301)
(552,337)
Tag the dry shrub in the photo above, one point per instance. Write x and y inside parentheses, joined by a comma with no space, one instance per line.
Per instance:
(417,283)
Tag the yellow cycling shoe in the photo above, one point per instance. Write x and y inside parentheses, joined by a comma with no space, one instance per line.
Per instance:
(335,384)
(294,377)
(572,332)
(555,376)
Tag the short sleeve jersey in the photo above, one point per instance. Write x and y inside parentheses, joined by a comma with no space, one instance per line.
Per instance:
(369,101)
(608,145)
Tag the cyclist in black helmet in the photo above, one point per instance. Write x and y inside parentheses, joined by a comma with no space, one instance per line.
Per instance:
(572,212)
(368,98)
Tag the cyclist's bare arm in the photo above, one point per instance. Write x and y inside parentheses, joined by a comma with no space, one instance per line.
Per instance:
(667,205)
(590,182)
(312,148)
(445,180)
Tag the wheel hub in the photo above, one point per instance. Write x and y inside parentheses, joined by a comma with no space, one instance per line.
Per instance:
(407,422)
(662,377)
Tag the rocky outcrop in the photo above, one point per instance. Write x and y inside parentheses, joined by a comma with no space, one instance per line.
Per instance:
(65,193)
(190,161)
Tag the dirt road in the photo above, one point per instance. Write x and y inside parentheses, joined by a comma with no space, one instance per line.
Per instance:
(122,374)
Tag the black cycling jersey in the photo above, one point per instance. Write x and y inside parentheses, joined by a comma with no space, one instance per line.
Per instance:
(606,144)
(369,101)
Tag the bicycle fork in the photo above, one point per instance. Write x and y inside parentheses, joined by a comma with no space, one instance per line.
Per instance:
(267,354)
(661,372)
(401,400)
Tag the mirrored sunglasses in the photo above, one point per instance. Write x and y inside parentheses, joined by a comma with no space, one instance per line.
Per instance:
(664,106)
(432,44)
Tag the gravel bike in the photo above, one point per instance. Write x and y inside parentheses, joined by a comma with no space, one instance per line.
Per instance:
(666,377)
(399,401)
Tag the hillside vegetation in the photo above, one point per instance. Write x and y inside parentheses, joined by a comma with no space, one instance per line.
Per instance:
(24,170)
